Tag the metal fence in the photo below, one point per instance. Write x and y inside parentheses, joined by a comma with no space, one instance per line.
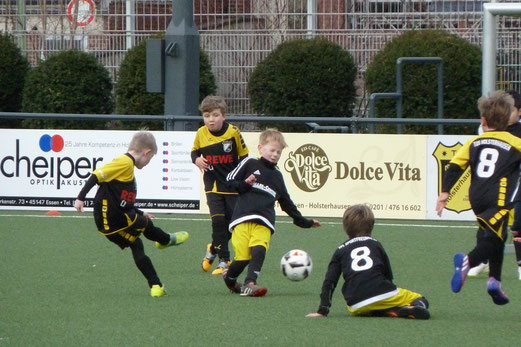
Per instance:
(238,34)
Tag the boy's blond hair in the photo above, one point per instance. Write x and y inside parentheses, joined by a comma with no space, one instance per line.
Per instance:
(496,109)
(272,135)
(212,102)
(358,220)
(143,140)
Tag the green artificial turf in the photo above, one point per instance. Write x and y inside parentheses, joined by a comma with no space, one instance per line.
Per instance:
(63,284)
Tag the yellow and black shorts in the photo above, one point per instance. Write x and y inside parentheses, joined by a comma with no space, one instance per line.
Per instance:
(403,298)
(122,228)
(247,235)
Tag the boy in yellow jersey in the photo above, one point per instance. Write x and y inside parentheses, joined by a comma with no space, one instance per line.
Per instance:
(494,158)
(218,148)
(116,216)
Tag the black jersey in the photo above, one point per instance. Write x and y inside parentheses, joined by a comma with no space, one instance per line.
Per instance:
(367,273)
(256,203)
(515,129)
(494,158)
(114,208)
(223,151)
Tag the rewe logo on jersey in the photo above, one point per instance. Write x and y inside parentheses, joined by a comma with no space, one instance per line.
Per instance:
(309,167)
(46,168)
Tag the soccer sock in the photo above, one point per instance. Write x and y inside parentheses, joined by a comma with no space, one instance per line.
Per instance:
(517,248)
(143,263)
(490,248)
(220,237)
(258,253)
(156,234)
(235,269)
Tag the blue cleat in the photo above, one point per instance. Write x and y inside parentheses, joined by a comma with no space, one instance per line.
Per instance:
(461,268)
(496,292)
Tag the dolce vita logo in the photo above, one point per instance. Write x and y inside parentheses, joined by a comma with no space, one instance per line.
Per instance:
(309,167)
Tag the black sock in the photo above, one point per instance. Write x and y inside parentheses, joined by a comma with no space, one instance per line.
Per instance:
(144,264)
(258,253)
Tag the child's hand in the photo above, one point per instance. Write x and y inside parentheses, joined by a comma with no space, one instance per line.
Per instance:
(441,202)
(78,205)
(314,315)
(148,215)
(316,223)
(251,179)
(202,164)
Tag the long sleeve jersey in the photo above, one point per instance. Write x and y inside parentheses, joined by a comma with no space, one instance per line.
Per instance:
(223,150)
(367,274)
(256,203)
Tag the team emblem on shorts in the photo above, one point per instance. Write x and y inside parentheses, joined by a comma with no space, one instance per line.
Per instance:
(459,194)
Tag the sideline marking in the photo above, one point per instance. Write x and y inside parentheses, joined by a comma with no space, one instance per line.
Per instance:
(279,221)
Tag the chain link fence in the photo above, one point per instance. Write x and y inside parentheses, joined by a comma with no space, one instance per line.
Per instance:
(238,34)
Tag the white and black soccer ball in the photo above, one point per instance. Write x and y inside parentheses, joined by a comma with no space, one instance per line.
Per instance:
(296,265)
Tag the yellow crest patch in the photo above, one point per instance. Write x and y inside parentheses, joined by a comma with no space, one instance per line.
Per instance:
(459,194)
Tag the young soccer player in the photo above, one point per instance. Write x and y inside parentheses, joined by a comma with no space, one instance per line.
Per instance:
(514,127)
(494,158)
(116,216)
(260,184)
(218,147)
(368,288)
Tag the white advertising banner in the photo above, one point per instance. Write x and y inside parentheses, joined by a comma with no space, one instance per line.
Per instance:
(397,175)
(46,169)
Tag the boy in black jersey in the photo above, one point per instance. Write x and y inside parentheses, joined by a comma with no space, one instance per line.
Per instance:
(260,184)
(494,158)
(116,216)
(514,127)
(218,148)
(368,288)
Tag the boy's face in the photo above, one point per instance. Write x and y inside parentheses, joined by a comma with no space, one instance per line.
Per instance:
(271,151)
(143,159)
(214,119)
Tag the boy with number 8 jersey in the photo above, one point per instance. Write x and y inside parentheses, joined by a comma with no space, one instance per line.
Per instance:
(368,288)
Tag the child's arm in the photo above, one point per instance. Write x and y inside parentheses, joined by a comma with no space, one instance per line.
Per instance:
(287,205)
(241,179)
(80,200)
(334,270)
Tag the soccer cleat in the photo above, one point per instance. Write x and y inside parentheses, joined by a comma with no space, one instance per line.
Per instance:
(519,272)
(221,267)
(175,239)
(461,267)
(251,289)
(156,291)
(496,292)
(476,270)
(234,288)
(412,312)
(208,259)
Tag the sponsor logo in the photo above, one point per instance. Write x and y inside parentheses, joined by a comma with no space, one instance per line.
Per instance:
(309,167)
(46,169)
(459,194)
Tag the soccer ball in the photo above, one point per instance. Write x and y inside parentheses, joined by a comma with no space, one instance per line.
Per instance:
(296,265)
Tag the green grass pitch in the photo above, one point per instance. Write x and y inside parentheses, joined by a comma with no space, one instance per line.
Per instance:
(63,284)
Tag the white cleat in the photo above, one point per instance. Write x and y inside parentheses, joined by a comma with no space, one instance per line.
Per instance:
(476,270)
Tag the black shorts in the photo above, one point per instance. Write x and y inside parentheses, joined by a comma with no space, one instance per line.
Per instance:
(120,227)
(494,222)
(221,204)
